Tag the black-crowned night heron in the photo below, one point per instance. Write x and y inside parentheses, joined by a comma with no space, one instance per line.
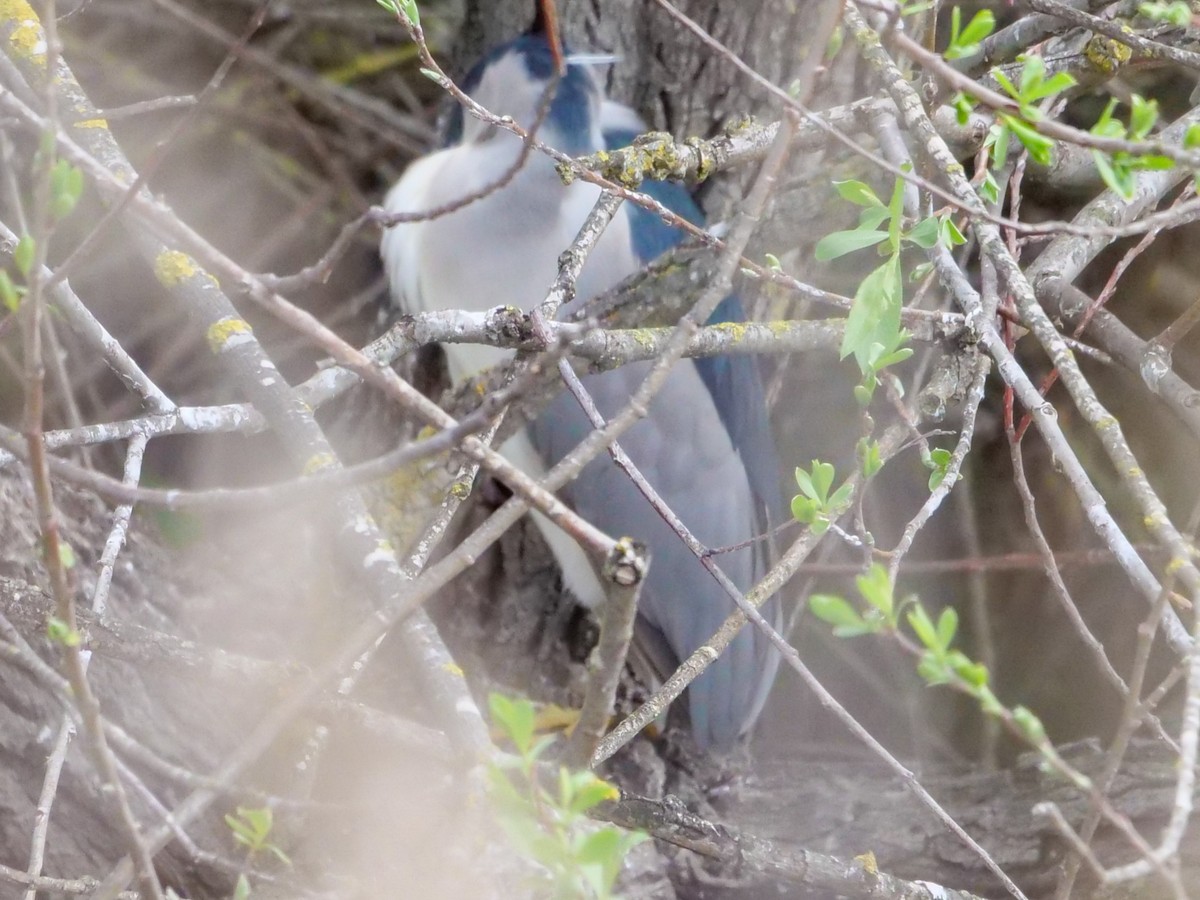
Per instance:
(705,444)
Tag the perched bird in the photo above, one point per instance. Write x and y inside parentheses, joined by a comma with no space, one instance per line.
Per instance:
(705,444)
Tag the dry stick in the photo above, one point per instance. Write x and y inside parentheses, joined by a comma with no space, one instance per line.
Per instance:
(620,611)
(431,582)
(41,228)
(748,609)
(603,346)
(716,289)
(94,333)
(1026,391)
(991,243)
(243,417)
(307,766)
(1132,712)
(1046,126)
(41,814)
(257,376)
(157,104)
(1103,423)
(68,400)
(697,157)
(1119,31)
(1166,339)
(739,236)
(970,408)
(1063,595)
(607,659)
(1158,354)
(150,213)
(54,763)
(41,883)
(135,644)
(827,875)
(1000,562)
(630,564)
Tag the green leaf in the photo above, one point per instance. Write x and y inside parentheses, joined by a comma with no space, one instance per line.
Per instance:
(858,193)
(1106,125)
(998,137)
(805,510)
(1040,147)
(1178,13)
(932,668)
(869,456)
(410,10)
(875,315)
(836,39)
(805,483)
(591,793)
(842,242)
(963,107)
(600,846)
(516,718)
(822,478)
(1153,163)
(896,356)
(1118,179)
(949,233)
(876,589)
(61,633)
(1057,83)
(66,187)
(773,262)
(980,26)
(1006,84)
(404,8)
(1142,117)
(872,217)
(989,190)
(1191,138)
(1030,725)
(23,255)
(924,629)
(840,499)
(10,294)
(279,854)
(918,272)
(66,555)
(925,233)
(947,626)
(939,463)
(836,611)
(241,890)
(973,673)
(966,42)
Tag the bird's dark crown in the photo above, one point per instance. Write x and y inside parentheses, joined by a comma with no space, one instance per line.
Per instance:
(576,96)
